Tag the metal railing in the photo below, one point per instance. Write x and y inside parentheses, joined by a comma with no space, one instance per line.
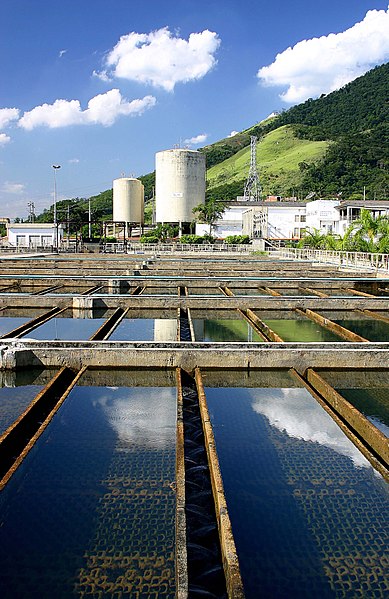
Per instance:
(20,249)
(356,260)
(171,248)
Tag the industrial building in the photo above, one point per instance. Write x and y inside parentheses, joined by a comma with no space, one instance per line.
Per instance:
(183,426)
(34,235)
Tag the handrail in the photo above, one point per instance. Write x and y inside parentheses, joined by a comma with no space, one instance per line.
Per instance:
(345,259)
(133,248)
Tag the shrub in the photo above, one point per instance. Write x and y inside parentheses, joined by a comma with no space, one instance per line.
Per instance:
(191,239)
(237,239)
(149,239)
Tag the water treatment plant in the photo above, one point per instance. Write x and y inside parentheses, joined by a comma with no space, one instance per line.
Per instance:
(193,425)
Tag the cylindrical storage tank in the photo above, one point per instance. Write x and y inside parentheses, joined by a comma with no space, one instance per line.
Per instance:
(179,185)
(128,200)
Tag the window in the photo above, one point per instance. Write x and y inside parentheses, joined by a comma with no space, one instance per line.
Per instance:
(35,240)
(21,240)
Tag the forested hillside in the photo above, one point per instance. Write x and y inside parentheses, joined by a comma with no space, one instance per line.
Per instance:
(335,144)
(354,118)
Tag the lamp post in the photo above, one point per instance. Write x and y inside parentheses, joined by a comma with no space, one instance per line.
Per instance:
(55,167)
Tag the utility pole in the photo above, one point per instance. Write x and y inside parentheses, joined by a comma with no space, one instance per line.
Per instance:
(55,167)
(252,189)
(31,212)
(89,223)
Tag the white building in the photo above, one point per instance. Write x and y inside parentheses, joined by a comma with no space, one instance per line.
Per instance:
(34,235)
(229,224)
(350,210)
(290,219)
(275,220)
(323,216)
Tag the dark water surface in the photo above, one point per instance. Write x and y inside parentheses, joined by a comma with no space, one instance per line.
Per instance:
(90,513)
(13,401)
(309,514)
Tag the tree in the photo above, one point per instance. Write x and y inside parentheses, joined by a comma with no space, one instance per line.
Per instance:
(364,232)
(209,212)
(313,239)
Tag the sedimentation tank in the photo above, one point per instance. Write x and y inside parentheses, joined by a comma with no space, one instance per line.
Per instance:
(128,200)
(180,184)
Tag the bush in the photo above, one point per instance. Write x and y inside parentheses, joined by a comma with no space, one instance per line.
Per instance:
(207,238)
(149,239)
(191,239)
(237,239)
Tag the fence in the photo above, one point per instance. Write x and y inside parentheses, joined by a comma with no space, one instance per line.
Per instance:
(19,249)
(355,260)
(171,248)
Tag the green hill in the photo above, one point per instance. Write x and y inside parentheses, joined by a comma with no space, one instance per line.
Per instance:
(279,155)
(354,118)
(337,143)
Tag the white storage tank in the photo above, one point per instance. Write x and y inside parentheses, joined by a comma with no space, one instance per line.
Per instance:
(128,200)
(179,185)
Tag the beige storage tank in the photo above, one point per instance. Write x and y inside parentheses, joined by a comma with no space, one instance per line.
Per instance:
(179,185)
(128,200)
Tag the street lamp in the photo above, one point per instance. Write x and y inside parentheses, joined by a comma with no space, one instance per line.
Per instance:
(55,167)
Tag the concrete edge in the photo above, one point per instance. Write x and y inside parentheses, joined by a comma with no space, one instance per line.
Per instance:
(374,438)
(181,556)
(356,439)
(31,442)
(229,553)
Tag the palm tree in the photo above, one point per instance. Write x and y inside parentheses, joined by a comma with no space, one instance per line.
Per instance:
(365,231)
(313,239)
(209,212)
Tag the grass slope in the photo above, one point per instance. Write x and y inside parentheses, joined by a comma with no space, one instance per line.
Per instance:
(278,157)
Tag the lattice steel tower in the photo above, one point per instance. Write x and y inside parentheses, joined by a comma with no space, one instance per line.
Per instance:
(252,189)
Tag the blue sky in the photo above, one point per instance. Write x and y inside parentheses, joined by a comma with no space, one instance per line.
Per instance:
(98,87)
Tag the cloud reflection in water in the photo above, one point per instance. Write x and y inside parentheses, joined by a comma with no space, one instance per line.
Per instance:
(296,413)
(140,416)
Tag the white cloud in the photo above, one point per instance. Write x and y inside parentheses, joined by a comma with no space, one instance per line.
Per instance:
(103,75)
(233,133)
(198,139)
(14,188)
(7,115)
(73,161)
(322,65)
(162,59)
(4,139)
(103,109)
